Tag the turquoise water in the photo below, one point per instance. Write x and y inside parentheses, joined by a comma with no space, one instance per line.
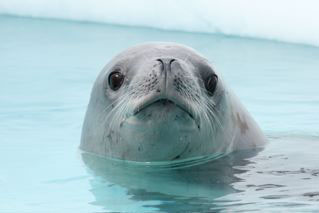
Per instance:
(47,70)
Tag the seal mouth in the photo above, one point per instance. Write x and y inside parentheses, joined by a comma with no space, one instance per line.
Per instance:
(164,102)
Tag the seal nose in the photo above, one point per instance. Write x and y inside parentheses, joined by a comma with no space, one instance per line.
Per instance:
(166,63)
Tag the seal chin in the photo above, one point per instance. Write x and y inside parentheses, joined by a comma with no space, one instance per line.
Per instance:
(159,131)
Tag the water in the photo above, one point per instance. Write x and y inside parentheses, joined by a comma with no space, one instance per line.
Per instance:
(47,70)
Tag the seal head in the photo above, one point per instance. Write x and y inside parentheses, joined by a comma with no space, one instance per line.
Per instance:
(160,102)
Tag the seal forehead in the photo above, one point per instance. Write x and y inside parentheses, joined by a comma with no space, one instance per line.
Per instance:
(162,49)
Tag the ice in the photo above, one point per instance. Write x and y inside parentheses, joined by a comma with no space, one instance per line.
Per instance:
(286,20)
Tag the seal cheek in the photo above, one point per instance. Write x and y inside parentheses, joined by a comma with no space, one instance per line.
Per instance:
(242,124)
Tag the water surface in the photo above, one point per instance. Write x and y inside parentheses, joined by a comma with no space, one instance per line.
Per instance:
(47,70)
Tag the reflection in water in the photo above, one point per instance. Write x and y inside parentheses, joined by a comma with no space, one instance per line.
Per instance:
(146,188)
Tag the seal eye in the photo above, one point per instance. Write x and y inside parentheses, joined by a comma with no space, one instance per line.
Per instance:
(116,80)
(211,83)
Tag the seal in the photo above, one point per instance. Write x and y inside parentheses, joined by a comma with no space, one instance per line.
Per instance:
(165,102)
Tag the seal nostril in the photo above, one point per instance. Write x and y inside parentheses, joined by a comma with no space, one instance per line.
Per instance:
(170,63)
(166,63)
(162,63)
(160,60)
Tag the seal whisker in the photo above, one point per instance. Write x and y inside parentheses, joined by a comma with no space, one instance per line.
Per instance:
(114,105)
(115,111)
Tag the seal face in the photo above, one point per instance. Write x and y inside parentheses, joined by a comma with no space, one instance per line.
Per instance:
(163,102)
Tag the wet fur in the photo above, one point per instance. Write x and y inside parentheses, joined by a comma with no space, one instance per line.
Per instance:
(222,124)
